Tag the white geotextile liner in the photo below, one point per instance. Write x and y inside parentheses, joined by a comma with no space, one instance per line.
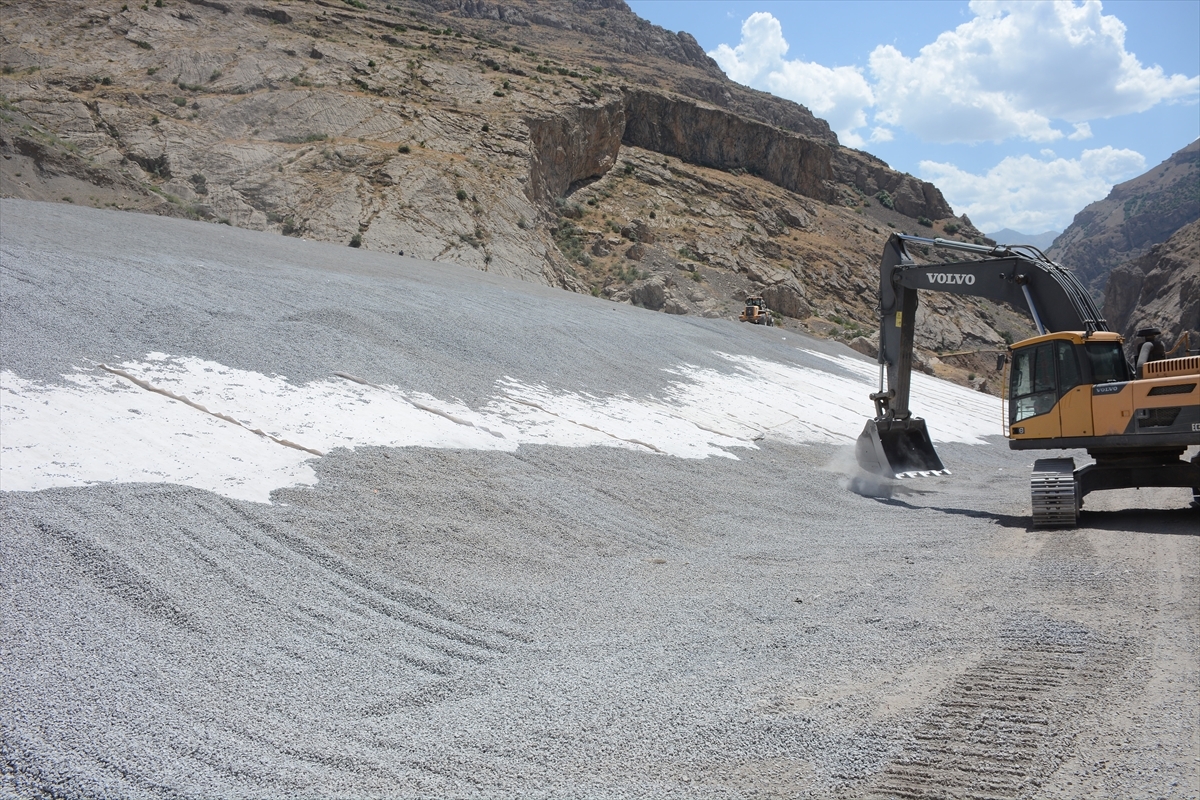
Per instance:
(243,434)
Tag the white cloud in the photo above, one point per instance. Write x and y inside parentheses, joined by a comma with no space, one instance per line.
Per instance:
(1028,194)
(1082,131)
(1018,69)
(1015,68)
(839,95)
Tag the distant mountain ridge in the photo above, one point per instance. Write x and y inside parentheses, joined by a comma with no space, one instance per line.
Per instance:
(1039,240)
(1135,216)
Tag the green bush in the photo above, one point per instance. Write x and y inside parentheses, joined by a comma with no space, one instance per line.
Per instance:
(404,149)
(356,240)
(926,221)
(461,195)
(885,199)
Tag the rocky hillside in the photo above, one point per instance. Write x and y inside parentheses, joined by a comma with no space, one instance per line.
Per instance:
(571,144)
(1160,289)
(1135,216)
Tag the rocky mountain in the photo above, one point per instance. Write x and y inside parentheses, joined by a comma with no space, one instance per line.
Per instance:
(1159,290)
(1134,217)
(572,144)
(1042,241)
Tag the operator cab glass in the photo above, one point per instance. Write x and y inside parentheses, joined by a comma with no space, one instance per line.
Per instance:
(1107,362)
(1042,374)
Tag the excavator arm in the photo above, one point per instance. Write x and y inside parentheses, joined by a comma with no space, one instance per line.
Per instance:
(895,443)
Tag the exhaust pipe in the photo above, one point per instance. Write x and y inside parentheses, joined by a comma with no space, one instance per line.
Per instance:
(898,449)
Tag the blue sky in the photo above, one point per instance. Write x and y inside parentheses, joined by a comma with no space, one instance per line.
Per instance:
(1021,112)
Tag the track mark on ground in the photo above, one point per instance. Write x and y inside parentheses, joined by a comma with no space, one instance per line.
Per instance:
(1005,726)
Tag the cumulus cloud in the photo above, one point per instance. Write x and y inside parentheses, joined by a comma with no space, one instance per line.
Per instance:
(1014,69)
(1082,131)
(839,95)
(1030,194)
(1018,69)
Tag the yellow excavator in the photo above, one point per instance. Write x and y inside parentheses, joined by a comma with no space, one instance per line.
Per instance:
(1070,387)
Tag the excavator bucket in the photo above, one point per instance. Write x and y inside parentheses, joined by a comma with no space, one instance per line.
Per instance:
(898,449)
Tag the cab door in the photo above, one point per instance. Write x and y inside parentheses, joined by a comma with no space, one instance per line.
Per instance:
(1075,407)
(1034,393)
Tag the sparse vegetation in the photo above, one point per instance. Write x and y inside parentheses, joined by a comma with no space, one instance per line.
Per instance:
(569,239)
(926,221)
(306,139)
(885,199)
(356,240)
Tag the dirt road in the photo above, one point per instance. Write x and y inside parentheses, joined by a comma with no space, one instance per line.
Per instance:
(552,619)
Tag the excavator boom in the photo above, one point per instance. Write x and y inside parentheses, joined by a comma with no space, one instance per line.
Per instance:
(896,444)
(1071,386)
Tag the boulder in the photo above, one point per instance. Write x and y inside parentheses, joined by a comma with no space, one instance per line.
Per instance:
(787,298)
(649,293)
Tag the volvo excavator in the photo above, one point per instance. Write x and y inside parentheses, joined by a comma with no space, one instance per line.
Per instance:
(1070,386)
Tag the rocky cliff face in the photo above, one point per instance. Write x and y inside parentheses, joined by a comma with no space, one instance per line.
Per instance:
(1159,290)
(574,145)
(1135,216)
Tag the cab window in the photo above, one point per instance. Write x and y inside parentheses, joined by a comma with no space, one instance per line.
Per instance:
(1107,362)
(1033,384)
(1068,367)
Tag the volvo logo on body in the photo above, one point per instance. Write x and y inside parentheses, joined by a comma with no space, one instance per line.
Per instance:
(951,277)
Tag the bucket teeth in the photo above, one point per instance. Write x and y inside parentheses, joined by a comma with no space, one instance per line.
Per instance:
(923,473)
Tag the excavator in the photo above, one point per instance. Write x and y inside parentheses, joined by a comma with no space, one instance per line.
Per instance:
(1069,387)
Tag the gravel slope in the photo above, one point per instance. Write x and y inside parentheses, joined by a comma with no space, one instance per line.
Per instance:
(546,622)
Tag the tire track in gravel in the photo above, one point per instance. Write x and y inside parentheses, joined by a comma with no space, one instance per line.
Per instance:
(1007,724)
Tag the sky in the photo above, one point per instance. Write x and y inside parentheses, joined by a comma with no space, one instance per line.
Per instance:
(1021,112)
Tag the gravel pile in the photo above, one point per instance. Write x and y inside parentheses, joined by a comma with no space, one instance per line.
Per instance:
(549,622)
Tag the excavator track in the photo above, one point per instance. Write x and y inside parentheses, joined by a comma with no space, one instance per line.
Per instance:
(1054,493)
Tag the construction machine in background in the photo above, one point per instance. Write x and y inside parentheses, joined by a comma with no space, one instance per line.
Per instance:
(756,311)
(1070,387)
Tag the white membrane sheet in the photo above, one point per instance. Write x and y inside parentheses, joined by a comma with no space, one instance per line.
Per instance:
(244,434)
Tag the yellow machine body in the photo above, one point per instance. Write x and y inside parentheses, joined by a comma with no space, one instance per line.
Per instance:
(1077,390)
(756,311)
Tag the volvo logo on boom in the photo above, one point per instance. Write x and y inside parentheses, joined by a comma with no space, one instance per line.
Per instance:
(951,277)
